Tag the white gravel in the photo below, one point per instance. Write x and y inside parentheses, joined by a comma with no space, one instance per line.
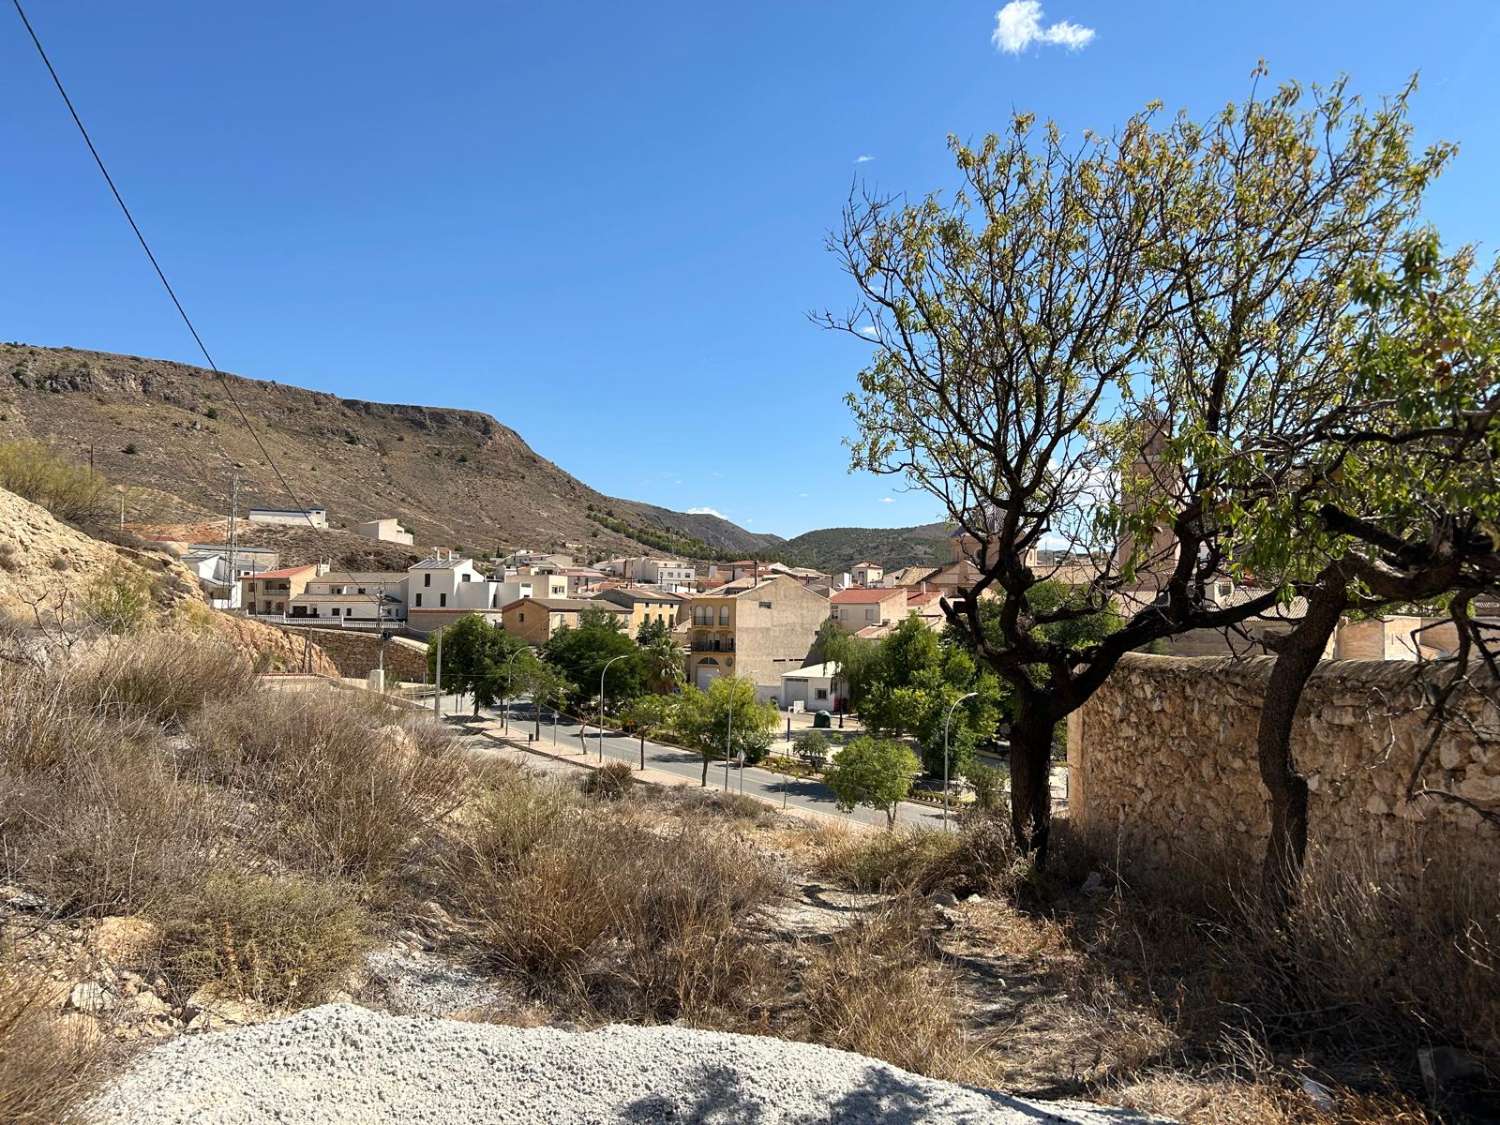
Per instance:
(342,1063)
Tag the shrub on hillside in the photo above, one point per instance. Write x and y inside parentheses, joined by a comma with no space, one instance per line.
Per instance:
(352,794)
(609,782)
(161,677)
(66,489)
(278,940)
(48,1066)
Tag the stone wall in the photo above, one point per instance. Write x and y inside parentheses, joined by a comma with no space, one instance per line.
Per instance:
(357,653)
(1162,765)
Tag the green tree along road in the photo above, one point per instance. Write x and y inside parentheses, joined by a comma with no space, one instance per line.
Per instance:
(726,715)
(581,655)
(475,655)
(872,771)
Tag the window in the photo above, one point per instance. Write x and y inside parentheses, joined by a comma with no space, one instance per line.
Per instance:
(337,611)
(724,614)
(521,617)
(442,599)
(419,601)
(822,693)
(427,580)
(466,576)
(765,605)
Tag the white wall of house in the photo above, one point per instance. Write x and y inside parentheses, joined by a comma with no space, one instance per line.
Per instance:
(449,584)
(316,517)
(520,586)
(386,530)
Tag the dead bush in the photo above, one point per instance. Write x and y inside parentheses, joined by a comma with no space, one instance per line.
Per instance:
(877,989)
(693,800)
(49,1065)
(609,915)
(353,796)
(162,677)
(43,725)
(887,861)
(609,782)
(116,837)
(282,941)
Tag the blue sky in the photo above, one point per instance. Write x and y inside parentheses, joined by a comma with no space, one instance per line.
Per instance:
(602,223)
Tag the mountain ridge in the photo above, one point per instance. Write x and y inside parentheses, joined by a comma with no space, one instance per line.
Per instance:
(455,477)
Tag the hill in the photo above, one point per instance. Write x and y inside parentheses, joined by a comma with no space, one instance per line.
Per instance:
(455,478)
(839,548)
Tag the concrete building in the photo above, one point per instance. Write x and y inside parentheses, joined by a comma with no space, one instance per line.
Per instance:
(387,531)
(814,688)
(867,573)
(757,630)
(534,620)
(860,607)
(517,586)
(270,592)
(582,580)
(444,587)
(644,604)
(290,517)
(367,598)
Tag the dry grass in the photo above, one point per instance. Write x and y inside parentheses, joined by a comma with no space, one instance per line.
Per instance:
(277,941)
(880,989)
(607,915)
(355,795)
(978,857)
(161,677)
(609,782)
(48,1065)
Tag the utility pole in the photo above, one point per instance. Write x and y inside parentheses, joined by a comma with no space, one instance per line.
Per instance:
(234,506)
(437,695)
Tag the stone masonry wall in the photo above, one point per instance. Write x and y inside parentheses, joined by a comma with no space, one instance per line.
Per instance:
(1162,765)
(357,654)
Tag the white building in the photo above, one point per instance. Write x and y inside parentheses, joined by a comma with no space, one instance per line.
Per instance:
(292,517)
(442,588)
(386,531)
(811,688)
(211,568)
(670,574)
(517,586)
(356,597)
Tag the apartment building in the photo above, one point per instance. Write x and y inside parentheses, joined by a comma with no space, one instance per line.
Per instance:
(357,597)
(643,604)
(756,630)
(444,587)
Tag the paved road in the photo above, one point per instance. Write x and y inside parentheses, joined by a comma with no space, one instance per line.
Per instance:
(773,788)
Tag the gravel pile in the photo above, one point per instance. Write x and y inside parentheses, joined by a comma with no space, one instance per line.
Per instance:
(341,1063)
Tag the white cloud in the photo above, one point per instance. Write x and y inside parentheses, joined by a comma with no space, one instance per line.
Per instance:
(887,500)
(869,330)
(707,512)
(803,495)
(863,158)
(1018,25)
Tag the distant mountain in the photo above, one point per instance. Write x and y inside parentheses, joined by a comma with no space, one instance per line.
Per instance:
(839,548)
(455,478)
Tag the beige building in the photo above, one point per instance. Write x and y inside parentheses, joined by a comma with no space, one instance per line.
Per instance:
(643,605)
(858,608)
(534,620)
(271,591)
(867,573)
(757,630)
(387,531)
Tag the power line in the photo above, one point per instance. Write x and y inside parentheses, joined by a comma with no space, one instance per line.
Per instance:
(141,238)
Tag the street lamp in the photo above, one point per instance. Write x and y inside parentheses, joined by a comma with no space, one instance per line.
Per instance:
(603,670)
(946,721)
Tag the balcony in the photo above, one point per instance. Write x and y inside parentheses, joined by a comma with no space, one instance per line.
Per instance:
(711,644)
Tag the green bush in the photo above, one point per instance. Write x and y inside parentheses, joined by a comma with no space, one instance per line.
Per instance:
(277,940)
(811,747)
(66,489)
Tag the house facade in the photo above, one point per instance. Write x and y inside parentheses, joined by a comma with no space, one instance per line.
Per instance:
(386,530)
(357,597)
(643,604)
(757,630)
(534,620)
(444,587)
(860,607)
(270,592)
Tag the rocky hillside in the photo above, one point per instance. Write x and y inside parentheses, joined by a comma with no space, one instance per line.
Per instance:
(839,548)
(456,478)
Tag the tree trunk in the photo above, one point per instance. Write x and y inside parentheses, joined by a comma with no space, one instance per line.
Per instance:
(1297,656)
(704,782)
(1030,781)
